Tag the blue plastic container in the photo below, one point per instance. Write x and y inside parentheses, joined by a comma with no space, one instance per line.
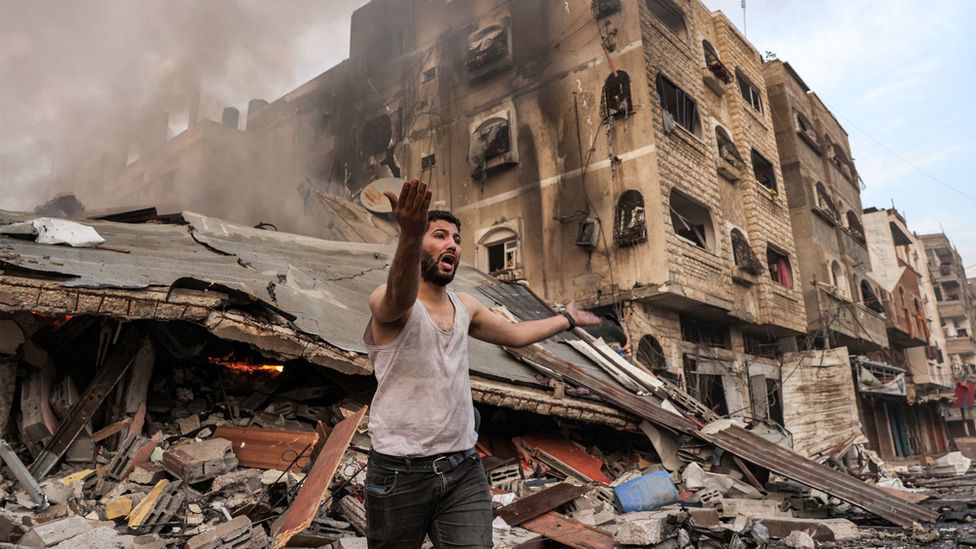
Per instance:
(646,493)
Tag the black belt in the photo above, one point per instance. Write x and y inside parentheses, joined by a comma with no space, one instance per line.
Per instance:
(440,464)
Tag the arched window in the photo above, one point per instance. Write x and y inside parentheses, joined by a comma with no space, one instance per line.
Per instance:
(691,220)
(629,224)
(842,161)
(743,255)
(715,64)
(837,278)
(727,149)
(869,298)
(650,353)
(615,102)
(670,14)
(805,129)
(854,225)
(825,203)
(501,250)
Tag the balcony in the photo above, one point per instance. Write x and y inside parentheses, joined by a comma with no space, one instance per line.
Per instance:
(851,324)
(904,330)
(952,308)
(963,345)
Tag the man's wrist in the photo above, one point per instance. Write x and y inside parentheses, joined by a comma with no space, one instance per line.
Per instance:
(572,321)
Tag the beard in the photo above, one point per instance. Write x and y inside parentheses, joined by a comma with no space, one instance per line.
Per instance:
(430,273)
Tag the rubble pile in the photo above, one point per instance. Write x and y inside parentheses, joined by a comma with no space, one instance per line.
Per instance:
(204,445)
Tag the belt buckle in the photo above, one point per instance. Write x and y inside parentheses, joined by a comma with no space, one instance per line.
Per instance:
(435,468)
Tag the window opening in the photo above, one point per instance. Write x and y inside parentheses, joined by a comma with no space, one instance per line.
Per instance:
(837,277)
(778,264)
(727,149)
(842,162)
(486,46)
(715,64)
(650,353)
(615,102)
(749,91)
(705,333)
(805,129)
(706,388)
(679,105)
(491,139)
(603,8)
(760,345)
(774,394)
(854,225)
(825,203)
(691,220)
(763,170)
(870,299)
(670,14)
(428,161)
(377,135)
(743,255)
(503,256)
(629,223)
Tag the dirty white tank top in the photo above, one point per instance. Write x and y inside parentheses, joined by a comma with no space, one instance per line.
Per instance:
(422,405)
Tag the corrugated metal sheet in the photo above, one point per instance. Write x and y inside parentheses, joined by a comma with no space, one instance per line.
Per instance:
(757,450)
(322,285)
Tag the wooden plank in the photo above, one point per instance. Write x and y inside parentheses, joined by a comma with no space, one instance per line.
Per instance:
(569,532)
(269,448)
(110,430)
(121,359)
(299,515)
(537,504)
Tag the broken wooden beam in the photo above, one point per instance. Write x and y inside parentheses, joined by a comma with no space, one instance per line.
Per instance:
(105,380)
(299,515)
(538,504)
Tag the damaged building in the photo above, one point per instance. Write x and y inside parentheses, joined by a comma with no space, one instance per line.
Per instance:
(765,337)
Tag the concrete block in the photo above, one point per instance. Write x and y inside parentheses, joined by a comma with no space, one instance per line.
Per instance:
(189,424)
(732,507)
(98,538)
(642,528)
(836,529)
(52,533)
(148,473)
(199,461)
(135,450)
(357,543)
(229,535)
(799,540)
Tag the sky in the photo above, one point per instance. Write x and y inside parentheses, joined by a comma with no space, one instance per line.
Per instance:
(897,74)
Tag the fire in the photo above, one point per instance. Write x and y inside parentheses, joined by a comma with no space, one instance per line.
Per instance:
(227,362)
(53,321)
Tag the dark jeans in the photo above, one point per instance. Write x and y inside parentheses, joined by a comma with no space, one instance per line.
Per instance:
(406,501)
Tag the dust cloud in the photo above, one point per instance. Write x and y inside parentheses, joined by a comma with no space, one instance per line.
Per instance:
(84,85)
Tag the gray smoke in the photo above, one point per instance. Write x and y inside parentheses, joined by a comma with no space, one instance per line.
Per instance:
(80,82)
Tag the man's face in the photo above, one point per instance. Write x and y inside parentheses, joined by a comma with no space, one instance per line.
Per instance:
(441,252)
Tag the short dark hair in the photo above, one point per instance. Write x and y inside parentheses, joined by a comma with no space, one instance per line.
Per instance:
(443,215)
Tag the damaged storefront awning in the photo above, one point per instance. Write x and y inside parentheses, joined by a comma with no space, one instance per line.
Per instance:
(880,378)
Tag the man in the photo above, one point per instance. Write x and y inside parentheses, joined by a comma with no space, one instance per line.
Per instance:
(423,476)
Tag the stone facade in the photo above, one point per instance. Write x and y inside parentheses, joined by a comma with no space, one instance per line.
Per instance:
(955,300)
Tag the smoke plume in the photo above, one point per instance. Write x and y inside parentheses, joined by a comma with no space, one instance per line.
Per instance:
(84,83)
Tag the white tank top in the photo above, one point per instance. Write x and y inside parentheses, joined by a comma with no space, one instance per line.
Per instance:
(422,405)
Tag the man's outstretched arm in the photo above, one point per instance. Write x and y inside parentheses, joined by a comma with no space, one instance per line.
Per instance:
(487,326)
(391,301)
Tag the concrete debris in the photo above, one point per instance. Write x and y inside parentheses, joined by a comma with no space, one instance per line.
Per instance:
(52,533)
(952,464)
(799,539)
(232,534)
(48,230)
(198,461)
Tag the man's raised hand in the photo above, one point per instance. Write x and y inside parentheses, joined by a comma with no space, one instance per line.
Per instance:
(410,208)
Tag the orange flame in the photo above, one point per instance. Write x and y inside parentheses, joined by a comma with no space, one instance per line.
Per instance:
(53,321)
(227,362)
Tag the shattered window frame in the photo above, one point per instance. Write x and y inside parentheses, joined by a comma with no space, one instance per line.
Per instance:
(486,47)
(749,92)
(825,204)
(743,255)
(727,149)
(650,353)
(763,171)
(714,63)
(630,219)
(684,217)
(681,107)
(806,131)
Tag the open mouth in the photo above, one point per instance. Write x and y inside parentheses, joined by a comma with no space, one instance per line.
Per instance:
(448,261)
